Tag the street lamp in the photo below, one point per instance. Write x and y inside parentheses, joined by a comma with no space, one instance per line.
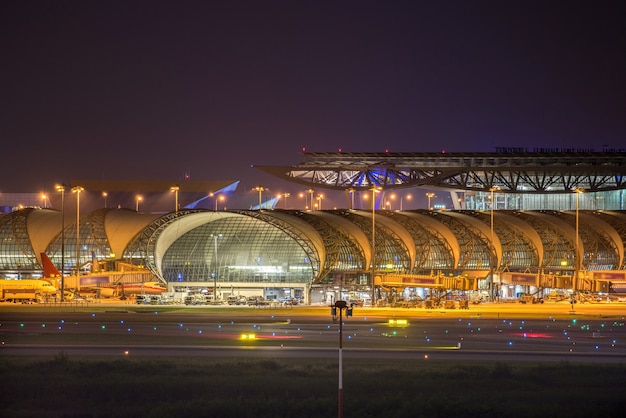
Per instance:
(77,190)
(215,266)
(104,195)
(260,189)
(44,197)
(374,191)
(408,197)
(430,196)
(578,192)
(319,200)
(175,189)
(493,247)
(285,195)
(138,199)
(340,305)
(219,198)
(61,188)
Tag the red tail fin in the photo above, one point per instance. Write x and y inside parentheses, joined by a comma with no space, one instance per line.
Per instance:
(49,270)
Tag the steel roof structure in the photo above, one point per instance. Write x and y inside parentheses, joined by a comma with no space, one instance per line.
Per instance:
(510,172)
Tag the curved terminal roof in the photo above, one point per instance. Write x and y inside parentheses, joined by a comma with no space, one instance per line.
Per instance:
(282,246)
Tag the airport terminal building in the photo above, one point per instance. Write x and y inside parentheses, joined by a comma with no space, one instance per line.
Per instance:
(489,250)
(308,255)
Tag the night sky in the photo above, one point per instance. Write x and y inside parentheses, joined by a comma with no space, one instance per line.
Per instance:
(156,89)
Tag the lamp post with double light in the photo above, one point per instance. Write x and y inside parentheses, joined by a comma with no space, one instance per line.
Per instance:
(215,266)
(285,196)
(430,195)
(578,191)
(319,198)
(77,190)
(61,188)
(260,189)
(492,256)
(374,190)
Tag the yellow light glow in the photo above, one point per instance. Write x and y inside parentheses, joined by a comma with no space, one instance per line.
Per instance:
(248,336)
(398,322)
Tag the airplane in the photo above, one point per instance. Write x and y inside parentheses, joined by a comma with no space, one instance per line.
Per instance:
(101,284)
(36,285)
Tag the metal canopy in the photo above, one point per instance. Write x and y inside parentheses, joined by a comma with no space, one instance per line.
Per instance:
(511,172)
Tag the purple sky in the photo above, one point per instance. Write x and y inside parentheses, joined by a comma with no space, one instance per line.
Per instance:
(153,89)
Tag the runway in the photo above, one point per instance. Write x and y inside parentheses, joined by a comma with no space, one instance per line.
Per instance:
(521,334)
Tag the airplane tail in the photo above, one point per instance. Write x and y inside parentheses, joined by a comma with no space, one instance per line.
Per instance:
(49,270)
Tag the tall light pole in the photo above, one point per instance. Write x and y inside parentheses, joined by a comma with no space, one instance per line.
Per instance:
(219,198)
(306,200)
(340,305)
(175,189)
(430,195)
(138,199)
(44,197)
(493,247)
(389,203)
(104,195)
(260,189)
(215,266)
(77,190)
(408,197)
(319,198)
(311,191)
(61,188)
(578,192)
(285,195)
(374,191)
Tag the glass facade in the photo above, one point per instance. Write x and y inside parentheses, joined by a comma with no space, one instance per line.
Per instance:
(236,250)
